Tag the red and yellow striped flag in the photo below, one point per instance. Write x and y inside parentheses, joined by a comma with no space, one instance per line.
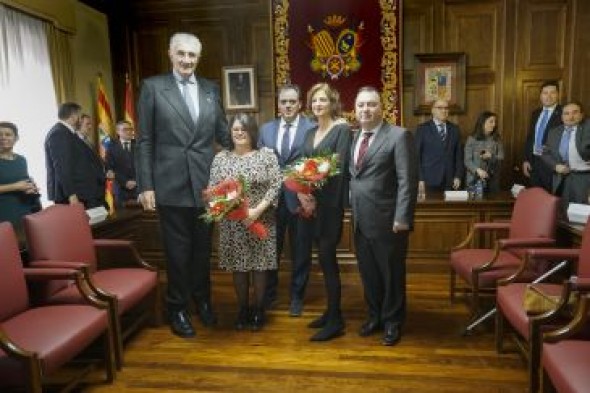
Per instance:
(106,133)
(129,103)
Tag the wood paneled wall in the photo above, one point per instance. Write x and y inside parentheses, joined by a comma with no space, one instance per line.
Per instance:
(512,46)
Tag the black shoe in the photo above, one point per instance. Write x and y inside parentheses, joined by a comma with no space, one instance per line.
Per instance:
(180,324)
(206,314)
(318,322)
(257,320)
(368,328)
(296,308)
(332,329)
(270,302)
(391,334)
(243,319)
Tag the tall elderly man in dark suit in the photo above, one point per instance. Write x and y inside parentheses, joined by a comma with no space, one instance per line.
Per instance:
(180,117)
(120,160)
(75,173)
(286,136)
(383,191)
(567,156)
(438,145)
(543,119)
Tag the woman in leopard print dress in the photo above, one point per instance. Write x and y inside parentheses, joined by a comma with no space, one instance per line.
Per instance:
(240,251)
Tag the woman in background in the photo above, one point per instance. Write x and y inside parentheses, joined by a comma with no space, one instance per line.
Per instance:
(484,153)
(240,251)
(331,135)
(19,195)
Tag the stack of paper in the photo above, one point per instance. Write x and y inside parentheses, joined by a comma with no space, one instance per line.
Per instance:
(97,214)
(578,213)
(456,195)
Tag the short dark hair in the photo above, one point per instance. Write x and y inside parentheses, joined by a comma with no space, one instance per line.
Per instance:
(577,103)
(10,126)
(479,131)
(67,109)
(549,83)
(85,116)
(123,122)
(333,97)
(368,88)
(250,125)
(289,86)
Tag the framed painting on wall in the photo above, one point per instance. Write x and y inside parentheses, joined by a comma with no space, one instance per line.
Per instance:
(239,88)
(439,76)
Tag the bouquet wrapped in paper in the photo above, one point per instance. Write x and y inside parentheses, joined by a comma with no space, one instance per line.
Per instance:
(227,200)
(309,174)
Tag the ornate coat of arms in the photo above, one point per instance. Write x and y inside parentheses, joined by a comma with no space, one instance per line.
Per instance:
(335,49)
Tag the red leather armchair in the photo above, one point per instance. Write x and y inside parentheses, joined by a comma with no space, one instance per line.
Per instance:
(62,232)
(565,361)
(36,341)
(533,224)
(527,329)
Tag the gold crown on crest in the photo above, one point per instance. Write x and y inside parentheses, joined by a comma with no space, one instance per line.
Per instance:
(334,20)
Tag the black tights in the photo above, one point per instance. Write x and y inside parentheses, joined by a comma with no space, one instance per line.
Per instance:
(331,271)
(242,288)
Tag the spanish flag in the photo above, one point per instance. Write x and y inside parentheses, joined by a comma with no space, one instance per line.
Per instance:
(129,103)
(106,133)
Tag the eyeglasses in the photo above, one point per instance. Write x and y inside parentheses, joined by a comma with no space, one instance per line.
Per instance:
(446,108)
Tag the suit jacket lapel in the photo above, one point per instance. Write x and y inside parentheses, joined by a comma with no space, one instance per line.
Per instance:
(172,94)
(352,163)
(206,98)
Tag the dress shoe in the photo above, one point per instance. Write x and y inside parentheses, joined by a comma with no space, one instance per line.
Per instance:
(296,308)
(332,329)
(318,322)
(257,320)
(368,328)
(243,318)
(391,334)
(206,314)
(180,324)
(270,302)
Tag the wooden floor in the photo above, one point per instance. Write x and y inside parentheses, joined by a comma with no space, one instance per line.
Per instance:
(432,356)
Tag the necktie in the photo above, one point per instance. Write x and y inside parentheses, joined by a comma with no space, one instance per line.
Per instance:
(442,131)
(188,99)
(126,146)
(363,149)
(564,144)
(540,131)
(286,142)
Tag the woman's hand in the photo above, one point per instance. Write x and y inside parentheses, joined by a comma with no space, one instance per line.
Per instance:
(26,186)
(308,203)
(481,173)
(486,155)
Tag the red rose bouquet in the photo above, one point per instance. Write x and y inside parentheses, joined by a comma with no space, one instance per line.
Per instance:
(227,200)
(309,174)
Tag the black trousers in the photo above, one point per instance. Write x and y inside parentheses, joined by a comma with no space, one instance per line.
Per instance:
(382,265)
(300,241)
(541,175)
(187,246)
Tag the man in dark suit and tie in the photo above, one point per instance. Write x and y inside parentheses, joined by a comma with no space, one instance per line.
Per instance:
(75,173)
(567,155)
(383,191)
(438,145)
(180,117)
(120,160)
(286,136)
(542,120)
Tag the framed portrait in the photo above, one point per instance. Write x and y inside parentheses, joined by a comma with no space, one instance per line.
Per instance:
(439,76)
(239,88)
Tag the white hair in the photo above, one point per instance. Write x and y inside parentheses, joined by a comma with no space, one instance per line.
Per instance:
(188,39)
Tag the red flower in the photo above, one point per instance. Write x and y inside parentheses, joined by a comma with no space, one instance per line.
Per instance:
(257,228)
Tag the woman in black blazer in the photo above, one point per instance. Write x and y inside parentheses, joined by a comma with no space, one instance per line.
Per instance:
(331,135)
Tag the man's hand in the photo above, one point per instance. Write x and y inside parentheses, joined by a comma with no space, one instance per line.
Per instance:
(562,169)
(456,183)
(148,200)
(73,199)
(397,227)
(526,169)
(421,189)
(130,184)
(481,173)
